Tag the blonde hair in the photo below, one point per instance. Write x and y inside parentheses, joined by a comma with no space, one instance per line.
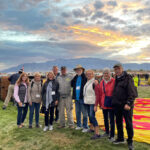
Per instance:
(37,74)
(51,72)
(18,82)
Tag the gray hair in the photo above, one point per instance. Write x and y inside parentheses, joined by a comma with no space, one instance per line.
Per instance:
(106,70)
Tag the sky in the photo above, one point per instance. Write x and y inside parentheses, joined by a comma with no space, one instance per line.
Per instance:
(43,30)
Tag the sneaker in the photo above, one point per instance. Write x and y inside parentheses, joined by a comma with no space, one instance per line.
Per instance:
(111,139)
(78,128)
(117,141)
(96,136)
(130,146)
(105,135)
(90,131)
(85,130)
(50,127)
(45,128)
(30,126)
(60,127)
(37,126)
(4,107)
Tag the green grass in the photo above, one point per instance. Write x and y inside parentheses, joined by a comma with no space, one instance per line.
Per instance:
(144,92)
(12,138)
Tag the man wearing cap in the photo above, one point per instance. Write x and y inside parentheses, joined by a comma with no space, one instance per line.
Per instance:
(78,83)
(65,101)
(123,102)
(13,78)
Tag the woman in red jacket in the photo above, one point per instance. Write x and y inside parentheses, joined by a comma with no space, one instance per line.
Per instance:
(104,92)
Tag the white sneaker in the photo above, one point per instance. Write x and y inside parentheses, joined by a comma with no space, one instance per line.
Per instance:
(45,128)
(111,139)
(85,130)
(50,127)
(78,128)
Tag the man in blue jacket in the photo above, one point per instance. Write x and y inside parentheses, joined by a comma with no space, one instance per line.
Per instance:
(13,78)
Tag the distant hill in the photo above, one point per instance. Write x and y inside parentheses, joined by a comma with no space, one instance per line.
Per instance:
(88,63)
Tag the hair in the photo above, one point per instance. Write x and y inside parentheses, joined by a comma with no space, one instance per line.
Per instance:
(106,70)
(18,82)
(51,72)
(37,74)
(90,71)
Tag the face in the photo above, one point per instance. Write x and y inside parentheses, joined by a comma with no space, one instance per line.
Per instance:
(24,78)
(118,71)
(50,76)
(89,75)
(79,71)
(63,71)
(55,70)
(106,76)
(37,78)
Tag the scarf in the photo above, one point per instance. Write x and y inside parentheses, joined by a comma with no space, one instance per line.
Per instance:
(49,98)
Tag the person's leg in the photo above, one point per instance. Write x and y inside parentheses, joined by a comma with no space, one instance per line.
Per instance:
(51,115)
(69,108)
(56,113)
(62,112)
(112,122)
(19,116)
(129,125)
(37,112)
(119,123)
(85,116)
(9,95)
(106,122)
(46,117)
(78,113)
(25,110)
(31,114)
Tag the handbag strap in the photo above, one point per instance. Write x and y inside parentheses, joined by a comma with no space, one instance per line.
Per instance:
(104,88)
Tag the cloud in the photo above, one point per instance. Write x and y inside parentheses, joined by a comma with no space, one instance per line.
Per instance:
(112,3)
(98,5)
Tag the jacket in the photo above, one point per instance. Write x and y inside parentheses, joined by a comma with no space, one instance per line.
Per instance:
(55,87)
(100,95)
(73,84)
(124,91)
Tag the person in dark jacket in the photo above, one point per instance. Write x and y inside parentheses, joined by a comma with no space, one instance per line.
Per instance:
(57,74)
(50,97)
(78,83)
(123,103)
(13,78)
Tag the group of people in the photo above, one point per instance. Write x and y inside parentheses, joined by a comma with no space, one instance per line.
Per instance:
(115,96)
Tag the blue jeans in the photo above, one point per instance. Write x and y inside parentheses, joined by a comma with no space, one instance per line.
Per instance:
(80,108)
(109,116)
(36,107)
(22,113)
(91,114)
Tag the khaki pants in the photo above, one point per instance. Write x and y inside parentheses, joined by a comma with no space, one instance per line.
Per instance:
(66,103)
(9,94)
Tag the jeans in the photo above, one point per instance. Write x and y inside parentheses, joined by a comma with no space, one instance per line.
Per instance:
(49,116)
(91,114)
(80,108)
(36,107)
(22,113)
(127,115)
(56,113)
(109,117)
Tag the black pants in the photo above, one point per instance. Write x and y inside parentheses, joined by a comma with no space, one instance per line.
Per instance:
(109,117)
(127,115)
(49,116)
(56,113)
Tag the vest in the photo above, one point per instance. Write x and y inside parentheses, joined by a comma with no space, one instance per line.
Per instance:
(22,92)
(89,93)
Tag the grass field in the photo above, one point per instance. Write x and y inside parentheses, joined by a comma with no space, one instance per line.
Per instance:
(12,138)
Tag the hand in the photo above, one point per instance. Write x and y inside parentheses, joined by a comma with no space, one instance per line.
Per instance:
(20,104)
(56,102)
(96,82)
(95,108)
(127,107)
(30,103)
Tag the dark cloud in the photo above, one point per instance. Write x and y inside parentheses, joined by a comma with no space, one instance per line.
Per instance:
(112,3)
(65,14)
(78,13)
(98,5)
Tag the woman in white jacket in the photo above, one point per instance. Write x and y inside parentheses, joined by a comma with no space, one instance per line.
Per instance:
(89,100)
